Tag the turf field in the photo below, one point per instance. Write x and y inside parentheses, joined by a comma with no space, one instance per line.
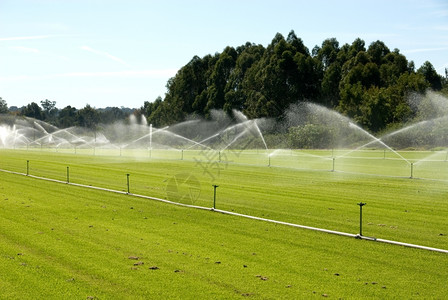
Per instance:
(63,241)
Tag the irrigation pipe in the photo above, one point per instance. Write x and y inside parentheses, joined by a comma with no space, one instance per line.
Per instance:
(285,223)
(237,214)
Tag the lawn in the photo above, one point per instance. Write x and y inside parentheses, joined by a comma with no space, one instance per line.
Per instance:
(63,241)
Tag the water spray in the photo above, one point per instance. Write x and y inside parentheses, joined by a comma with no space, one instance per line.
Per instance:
(150,140)
(374,140)
(261,135)
(94,144)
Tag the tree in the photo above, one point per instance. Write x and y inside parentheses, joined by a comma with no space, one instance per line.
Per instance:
(375,109)
(67,117)
(219,79)
(434,79)
(111,114)
(48,105)
(377,51)
(149,108)
(330,85)
(328,53)
(33,110)
(49,110)
(87,117)
(285,74)
(369,85)
(236,87)
(394,64)
(3,106)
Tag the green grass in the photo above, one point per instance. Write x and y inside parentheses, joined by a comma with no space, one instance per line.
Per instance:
(76,243)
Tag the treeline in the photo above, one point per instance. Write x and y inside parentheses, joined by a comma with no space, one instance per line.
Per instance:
(69,116)
(368,84)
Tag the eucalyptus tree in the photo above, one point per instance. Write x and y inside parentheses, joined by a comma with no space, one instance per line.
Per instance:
(431,75)
(87,117)
(3,106)
(67,117)
(33,110)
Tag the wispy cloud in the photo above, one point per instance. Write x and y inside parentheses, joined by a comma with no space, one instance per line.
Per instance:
(157,73)
(25,49)
(441,28)
(33,37)
(440,13)
(141,73)
(425,50)
(105,54)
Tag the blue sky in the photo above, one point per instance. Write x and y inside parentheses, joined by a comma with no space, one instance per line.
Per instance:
(121,53)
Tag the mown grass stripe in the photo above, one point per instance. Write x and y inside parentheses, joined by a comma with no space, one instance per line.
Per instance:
(238,214)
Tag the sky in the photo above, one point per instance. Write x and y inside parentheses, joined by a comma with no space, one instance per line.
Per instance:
(122,53)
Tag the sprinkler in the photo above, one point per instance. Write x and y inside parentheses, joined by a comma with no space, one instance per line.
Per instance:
(127,176)
(27,167)
(360,217)
(214,195)
(269,163)
(333,164)
(219,154)
(412,170)
(68,175)
(182,154)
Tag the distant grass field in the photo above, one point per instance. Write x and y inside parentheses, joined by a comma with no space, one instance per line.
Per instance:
(61,241)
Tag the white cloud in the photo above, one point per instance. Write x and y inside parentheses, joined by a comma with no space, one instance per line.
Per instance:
(105,54)
(25,49)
